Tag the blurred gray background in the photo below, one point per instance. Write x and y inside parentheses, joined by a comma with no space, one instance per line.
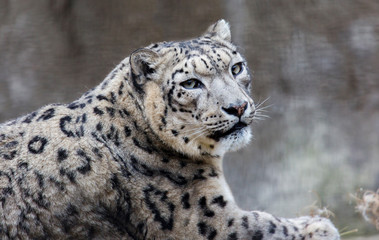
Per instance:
(316,60)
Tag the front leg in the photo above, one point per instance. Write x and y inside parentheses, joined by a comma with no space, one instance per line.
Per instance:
(265,226)
(208,211)
(218,217)
(255,225)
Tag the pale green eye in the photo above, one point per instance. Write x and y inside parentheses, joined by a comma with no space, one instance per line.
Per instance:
(191,84)
(237,68)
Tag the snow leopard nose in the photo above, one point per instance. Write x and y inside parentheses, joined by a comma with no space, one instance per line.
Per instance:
(236,110)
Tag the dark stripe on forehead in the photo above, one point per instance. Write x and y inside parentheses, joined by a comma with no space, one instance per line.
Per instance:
(227,53)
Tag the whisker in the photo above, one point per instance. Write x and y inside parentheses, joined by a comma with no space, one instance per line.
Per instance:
(259,118)
(260,111)
(262,116)
(185,123)
(200,135)
(216,128)
(192,130)
(259,104)
(260,108)
(194,133)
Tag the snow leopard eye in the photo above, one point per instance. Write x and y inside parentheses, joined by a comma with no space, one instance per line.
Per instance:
(237,68)
(192,84)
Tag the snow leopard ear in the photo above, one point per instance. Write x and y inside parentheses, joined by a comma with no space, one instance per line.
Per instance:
(219,30)
(142,63)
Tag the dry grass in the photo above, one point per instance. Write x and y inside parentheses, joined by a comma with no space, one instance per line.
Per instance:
(368,206)
(316,209)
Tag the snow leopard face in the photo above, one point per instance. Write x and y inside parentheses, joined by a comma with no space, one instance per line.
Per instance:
(197,92)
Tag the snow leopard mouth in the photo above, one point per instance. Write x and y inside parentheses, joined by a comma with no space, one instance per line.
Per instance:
(220,134)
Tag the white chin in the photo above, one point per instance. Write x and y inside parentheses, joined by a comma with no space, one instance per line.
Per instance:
(236,140)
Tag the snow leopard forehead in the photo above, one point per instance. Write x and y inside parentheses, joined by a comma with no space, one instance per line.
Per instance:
(214,55)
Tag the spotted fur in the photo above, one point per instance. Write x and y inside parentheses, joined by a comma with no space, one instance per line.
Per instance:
(140,155)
